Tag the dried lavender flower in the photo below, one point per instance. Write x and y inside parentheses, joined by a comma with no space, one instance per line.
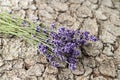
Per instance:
(66,44)
(62,45)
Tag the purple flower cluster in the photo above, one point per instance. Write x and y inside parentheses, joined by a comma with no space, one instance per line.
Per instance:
(44,49)
(66,46)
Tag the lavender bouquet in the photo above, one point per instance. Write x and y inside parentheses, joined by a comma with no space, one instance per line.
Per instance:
(58,45)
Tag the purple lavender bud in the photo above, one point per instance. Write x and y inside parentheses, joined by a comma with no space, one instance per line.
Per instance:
(78,31)
(82,42)
(51,60)
(66,49)
(58,43)
(42,48)
(93,38)
(72,66)
(37,28)
(44,30)
(49,57)
(54,35)
(62,29)
(72,33)
(54,63)
(86,35)
(58,53)
(67,31)
(76,53)
(72,60)
(47,40)
(53,25)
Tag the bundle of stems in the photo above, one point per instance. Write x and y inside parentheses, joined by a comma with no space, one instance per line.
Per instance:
(12,24)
